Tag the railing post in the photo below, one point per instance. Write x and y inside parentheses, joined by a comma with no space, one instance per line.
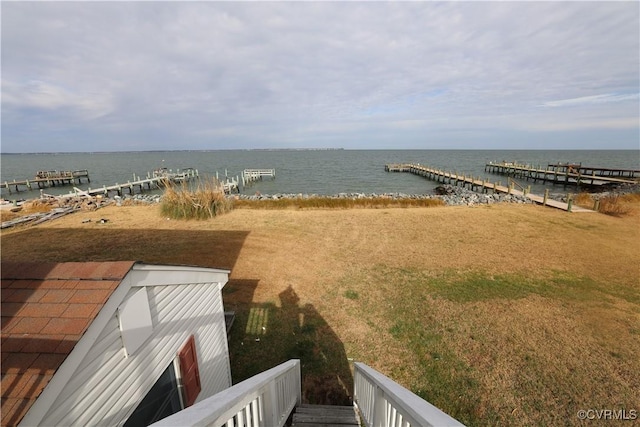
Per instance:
(258,417)
(569,202)
(378,408)
(241,418)
(546,196)
(299,383)
(271,405)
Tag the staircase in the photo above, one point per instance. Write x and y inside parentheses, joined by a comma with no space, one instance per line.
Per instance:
(273,399)
(324,416)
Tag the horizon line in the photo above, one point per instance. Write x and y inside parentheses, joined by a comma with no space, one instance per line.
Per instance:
(317,149)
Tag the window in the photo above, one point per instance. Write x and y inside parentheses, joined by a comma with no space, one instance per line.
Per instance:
(165,398)
(161,401)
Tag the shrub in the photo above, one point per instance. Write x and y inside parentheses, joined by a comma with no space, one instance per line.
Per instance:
(585,200)
(616,205)
(37,206)
(205,201)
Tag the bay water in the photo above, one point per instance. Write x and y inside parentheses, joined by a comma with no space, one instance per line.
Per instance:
(322,172)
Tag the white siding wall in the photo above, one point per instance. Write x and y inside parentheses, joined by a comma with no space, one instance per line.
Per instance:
(107,386)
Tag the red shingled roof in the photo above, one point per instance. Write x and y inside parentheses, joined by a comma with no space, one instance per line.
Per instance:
(46,307)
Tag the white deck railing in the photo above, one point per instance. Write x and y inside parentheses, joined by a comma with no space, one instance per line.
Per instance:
(385,403)
(266,399)
(251,175)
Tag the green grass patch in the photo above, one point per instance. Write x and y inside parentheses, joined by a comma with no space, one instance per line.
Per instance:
(351,294)
(437,374)
(472,286)
(265,335)
(443,359)
(444,380)
(407,301)
(478,286)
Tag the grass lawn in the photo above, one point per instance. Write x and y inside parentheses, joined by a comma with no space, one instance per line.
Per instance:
(499,315)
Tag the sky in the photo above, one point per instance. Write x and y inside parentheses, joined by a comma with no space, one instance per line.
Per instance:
(115,76)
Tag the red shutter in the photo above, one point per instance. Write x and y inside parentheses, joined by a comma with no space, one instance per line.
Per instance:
(189,371)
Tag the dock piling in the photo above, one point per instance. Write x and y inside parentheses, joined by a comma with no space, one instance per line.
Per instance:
(567,174)
(473,182)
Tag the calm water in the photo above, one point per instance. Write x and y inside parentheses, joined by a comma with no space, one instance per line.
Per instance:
(309,172)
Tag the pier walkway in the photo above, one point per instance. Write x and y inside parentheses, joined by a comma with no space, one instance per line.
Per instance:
(44,179)
(247,177)
(153,180)
(481,184)
(252,175)
(567,174)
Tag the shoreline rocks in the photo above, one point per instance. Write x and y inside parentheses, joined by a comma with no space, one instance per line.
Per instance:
(451,195)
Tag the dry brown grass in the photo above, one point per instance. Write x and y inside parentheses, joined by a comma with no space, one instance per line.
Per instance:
(30,207)
(336,203)
(619,205)
(584,200)
(502,315)
(614,204)
(7,214)
(205,201)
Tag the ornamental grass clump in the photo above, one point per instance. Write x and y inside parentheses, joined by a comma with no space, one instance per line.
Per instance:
(617,204)
(205,201)
(612,204)
(585,200)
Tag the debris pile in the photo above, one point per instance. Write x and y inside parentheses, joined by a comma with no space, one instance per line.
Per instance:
(48,207)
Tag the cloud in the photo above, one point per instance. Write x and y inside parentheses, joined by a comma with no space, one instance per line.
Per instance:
(246,74)
(593,100)
(46,96)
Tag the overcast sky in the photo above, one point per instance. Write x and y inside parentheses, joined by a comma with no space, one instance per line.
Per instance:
(111,76)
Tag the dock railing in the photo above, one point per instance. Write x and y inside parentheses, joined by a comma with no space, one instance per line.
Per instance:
(266,399)
(252,175)
(385,403)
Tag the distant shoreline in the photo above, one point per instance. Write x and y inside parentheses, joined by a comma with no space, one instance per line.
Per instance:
(48,153)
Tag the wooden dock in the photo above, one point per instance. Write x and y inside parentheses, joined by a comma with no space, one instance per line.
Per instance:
(153,180)
(45,179)
(229,184)
(247,177)
(252,175)
(566,174)
(480,184)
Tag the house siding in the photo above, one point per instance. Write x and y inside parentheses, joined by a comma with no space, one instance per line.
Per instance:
(107,386)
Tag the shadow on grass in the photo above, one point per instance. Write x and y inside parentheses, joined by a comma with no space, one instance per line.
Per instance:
(268,334)
(46,247)
(217,249)
(263,336)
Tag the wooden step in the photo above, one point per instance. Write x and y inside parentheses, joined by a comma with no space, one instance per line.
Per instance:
(325,416)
